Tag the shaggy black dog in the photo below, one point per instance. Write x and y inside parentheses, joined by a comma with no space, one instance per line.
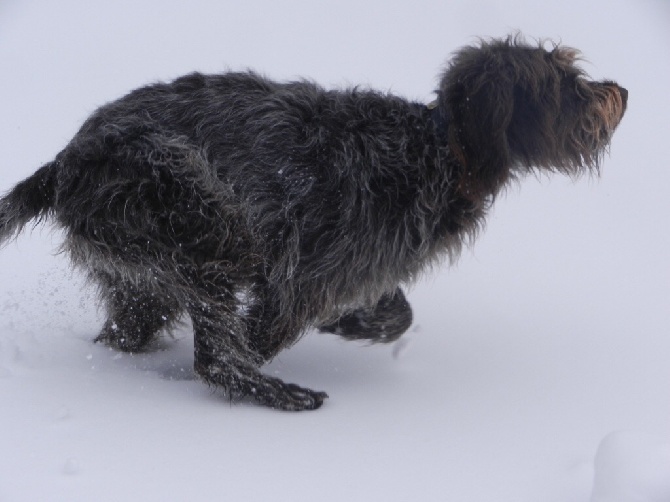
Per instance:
(262,209)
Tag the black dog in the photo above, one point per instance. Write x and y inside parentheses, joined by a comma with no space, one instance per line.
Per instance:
(262,209)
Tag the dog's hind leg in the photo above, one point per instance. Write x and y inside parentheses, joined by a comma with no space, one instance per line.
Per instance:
(384,322)
(135,315)
(153,207)
(224,358)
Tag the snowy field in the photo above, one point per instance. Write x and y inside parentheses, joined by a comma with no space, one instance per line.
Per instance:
(538,369)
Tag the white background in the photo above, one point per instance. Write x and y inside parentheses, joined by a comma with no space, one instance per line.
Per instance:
(537,368)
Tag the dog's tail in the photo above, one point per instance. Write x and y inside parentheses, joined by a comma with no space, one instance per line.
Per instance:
(32,198)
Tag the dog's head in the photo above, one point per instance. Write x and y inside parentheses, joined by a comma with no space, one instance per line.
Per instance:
(513,107)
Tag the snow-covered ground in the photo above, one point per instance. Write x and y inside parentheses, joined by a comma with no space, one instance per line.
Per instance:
(537,370)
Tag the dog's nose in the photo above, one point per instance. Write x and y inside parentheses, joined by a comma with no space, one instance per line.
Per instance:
(624,94)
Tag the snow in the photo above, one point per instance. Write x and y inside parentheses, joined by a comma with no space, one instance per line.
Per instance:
(631,466)
(537,368)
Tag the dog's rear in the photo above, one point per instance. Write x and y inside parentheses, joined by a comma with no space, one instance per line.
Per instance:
(160,235)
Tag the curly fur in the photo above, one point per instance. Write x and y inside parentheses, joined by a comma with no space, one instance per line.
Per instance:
(261,209)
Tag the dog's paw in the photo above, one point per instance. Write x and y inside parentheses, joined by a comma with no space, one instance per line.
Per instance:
(119,340)
(287,396)
(244,382)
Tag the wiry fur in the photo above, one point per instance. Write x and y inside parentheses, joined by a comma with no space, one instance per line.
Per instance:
(262,208)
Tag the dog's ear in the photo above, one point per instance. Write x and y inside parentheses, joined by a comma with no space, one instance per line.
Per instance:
(477,94)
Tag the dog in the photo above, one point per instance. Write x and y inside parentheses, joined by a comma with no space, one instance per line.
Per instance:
(263,209)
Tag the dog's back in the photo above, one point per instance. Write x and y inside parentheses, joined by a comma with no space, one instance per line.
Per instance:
(186,197)
(300,162)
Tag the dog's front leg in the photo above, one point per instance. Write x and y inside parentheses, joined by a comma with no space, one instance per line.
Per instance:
(223,359)
(382,323)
